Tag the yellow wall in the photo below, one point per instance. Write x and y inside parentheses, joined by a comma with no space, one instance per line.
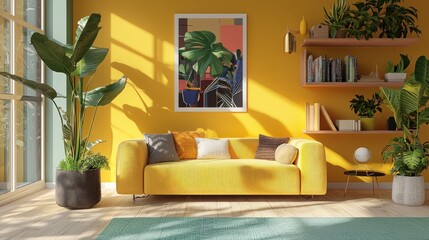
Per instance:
(140,35)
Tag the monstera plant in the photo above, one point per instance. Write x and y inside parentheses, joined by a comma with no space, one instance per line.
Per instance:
(200,53)
(78,62)
(408,153)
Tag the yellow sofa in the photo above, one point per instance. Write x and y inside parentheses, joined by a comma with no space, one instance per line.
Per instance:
(240,175)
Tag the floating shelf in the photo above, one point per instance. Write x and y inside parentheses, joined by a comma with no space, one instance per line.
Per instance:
(353,42)
(352,84)
(325,132)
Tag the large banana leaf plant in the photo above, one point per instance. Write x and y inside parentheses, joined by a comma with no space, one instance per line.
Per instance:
(200,52)
(409,106)
(78,62)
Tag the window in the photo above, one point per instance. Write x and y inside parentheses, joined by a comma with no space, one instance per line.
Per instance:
(21,128)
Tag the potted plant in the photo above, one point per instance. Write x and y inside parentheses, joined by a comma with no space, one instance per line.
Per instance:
(387,17)
(78,175)
(366,109)
(409,155)
(397,72)
(201,51)
(396,20)
(337,18)
(364,20)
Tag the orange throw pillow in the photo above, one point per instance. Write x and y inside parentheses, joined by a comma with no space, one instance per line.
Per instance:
(186,147)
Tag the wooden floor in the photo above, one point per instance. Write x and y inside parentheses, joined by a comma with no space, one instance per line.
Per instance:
(38,217)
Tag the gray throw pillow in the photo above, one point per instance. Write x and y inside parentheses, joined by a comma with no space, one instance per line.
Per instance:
(267,146)
(161,148)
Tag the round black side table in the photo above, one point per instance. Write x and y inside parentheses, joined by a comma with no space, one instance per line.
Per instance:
(364,173)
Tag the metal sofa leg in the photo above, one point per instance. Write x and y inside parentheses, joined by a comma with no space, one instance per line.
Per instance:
(140,196)
(308,197)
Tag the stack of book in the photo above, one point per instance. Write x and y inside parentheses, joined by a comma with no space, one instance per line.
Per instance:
(324,69)
(313,117)
(348,125)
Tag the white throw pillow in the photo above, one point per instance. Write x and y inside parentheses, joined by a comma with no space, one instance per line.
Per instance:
(212,148)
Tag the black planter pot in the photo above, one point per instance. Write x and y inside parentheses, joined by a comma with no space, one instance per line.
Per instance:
(77,190)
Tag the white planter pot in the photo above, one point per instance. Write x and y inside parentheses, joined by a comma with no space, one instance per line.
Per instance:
(395,77)
(408,190)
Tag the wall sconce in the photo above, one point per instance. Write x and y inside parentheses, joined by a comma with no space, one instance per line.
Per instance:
(290,39)
(290,42)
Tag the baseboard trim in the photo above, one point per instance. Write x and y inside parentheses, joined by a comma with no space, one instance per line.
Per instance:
(358,185)
(362,185)
(331,185)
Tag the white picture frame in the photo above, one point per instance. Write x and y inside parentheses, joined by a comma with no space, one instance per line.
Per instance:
(224,93)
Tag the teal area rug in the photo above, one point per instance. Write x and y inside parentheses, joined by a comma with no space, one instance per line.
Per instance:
(267,228)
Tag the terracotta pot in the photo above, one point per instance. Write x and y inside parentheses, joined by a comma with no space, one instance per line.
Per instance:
(77,190)
(341,33)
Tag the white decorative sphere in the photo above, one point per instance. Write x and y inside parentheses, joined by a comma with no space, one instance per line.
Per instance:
(362,155)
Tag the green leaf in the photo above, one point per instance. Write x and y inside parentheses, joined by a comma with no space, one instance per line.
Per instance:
(92,144)
(200,47)
(104,95)
(421,71)
(413,158)
(86,37)
(52,54)
(409,100)
(392,100)
(424,116)
(41,88)
(89,63)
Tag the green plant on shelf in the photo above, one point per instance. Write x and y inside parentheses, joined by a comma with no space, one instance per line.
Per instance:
(338,17)
(400,67)
(366,108)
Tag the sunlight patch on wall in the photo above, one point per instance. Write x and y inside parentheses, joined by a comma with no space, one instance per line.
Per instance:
(132,59)
(263,99)
(133,36)
(338,160)
(167,53)
(164,80)
(122,123)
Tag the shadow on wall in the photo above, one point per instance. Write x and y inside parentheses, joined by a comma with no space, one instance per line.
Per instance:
(156,117)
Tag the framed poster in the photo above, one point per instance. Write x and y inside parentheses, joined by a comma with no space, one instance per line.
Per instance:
(210,63)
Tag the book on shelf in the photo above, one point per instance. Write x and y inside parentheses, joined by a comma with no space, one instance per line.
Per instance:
(316,117)
(350,68)
(324,69)
(313,117)
(328,118)
(348,125)
(309,111)
(310,71)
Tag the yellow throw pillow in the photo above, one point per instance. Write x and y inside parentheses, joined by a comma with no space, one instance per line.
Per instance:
(186,147)
(286,153)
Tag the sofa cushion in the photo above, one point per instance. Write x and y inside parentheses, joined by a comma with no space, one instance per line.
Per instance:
(227,176)
(286,153)
(161,148)
(186,147)
(212,148)
(267,146)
